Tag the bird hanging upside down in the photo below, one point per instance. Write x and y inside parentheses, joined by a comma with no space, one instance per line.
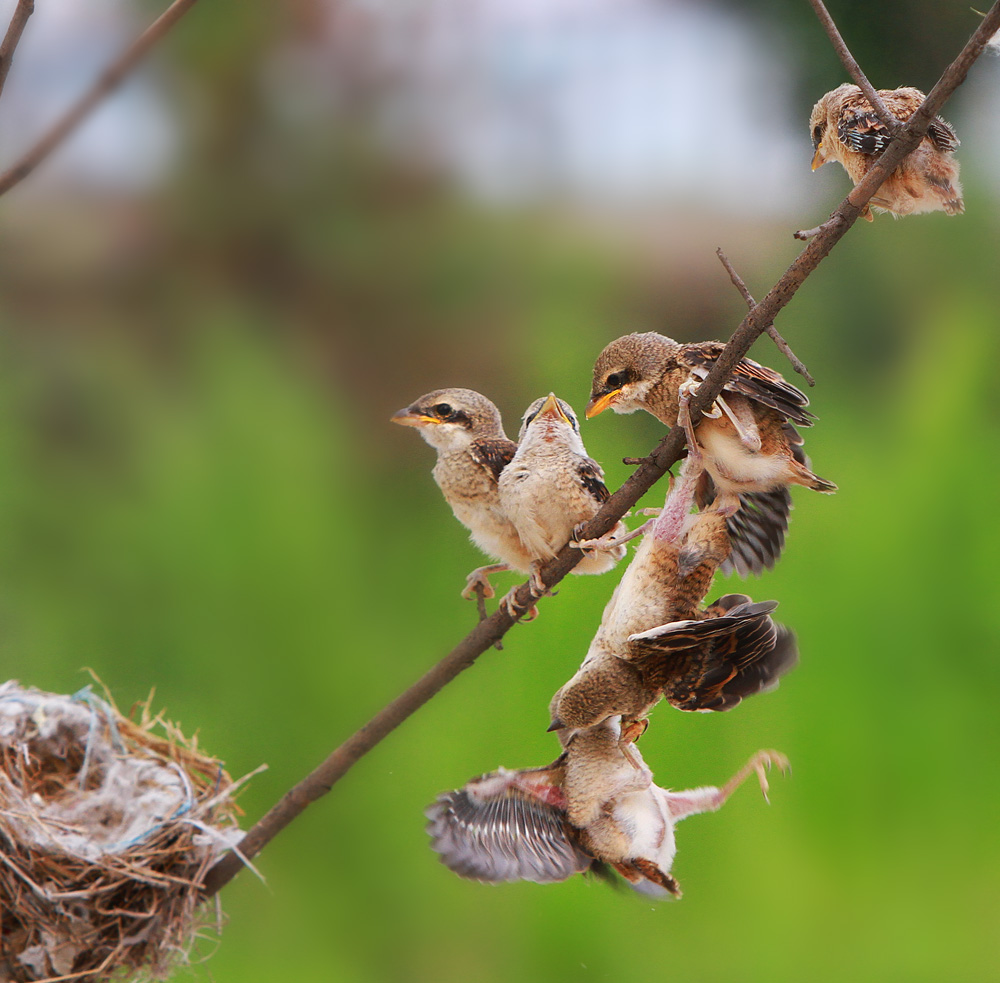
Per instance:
(655,640)
(845,128)
(594,806)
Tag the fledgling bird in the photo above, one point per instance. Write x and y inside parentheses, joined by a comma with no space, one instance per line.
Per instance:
(844,128)
(466,430)
(655,640)
(594,806)
(551,487)
(752,451)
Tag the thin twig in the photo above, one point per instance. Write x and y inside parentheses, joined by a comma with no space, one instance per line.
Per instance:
(23,10)
(106,82)
(668,451)
(909,137)
(883,112)
(771,330)
(480,591)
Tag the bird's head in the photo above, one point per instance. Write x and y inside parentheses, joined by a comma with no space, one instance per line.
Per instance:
(626,370)
(823,122)
(549,417)
(451,418)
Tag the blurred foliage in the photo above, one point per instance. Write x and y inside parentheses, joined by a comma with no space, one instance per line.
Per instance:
(201,492)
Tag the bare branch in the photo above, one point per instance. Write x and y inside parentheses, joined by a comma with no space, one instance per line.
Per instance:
(854,69)
(909,137)
(106,83)
(24,9)
(668,451)
(771,330)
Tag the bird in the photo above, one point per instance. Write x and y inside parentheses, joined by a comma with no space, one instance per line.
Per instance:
(466,430)
(655,640)
(845,128)
(551,487)
(594,808)
(753,452)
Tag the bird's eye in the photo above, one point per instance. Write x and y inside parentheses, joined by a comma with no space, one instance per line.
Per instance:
(817,135)
(614,381)
(443,410)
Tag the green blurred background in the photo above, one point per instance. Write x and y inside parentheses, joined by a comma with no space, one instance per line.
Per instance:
(200,490)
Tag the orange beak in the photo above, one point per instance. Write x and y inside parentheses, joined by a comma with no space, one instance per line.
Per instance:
(408,418)
(819,158)
(551,408)
(601,403)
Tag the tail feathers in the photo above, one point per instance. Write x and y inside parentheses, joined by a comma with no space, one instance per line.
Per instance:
(757,532)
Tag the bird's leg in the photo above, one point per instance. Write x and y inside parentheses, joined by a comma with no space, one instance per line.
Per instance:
(746,429)
(684,393)
(607,541)
(693,801)
(479,580)
(631,732)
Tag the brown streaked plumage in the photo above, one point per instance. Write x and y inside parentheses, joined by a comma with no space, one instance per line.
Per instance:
(844,128)
(752,450)
(656,641)
(466,430)
(594,806)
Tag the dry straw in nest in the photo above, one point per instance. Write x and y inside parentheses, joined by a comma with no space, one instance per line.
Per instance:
(106,830)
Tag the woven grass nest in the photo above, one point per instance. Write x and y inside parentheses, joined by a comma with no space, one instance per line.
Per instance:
(106,830)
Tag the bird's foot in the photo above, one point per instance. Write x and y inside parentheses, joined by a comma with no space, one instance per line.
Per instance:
(511,605)
(746,429)
(607,541)
(759,763)
(631,731)
(479,581)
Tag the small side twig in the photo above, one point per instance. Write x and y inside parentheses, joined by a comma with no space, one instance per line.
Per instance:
(771,330)
(480,590)
(106,83)
(883,112)
(24,9)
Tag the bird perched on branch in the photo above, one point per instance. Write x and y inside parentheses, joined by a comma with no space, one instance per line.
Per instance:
(656,641)
(592,807)
(551,487)
(751,447)
(845,128)
(466,430)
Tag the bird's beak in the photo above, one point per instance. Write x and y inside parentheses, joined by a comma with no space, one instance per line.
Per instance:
(551,409)
(819,158)
(410,418)
(598,404)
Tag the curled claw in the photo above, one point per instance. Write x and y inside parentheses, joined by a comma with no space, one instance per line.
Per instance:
(609,542)
(761,763)
(479,581)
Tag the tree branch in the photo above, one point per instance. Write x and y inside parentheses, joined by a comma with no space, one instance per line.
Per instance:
(911,134)
(24,9)
(771,330)
(667,452)
(883,112)
(106,83)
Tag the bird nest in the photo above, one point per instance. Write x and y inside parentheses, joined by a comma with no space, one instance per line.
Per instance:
(106,830)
